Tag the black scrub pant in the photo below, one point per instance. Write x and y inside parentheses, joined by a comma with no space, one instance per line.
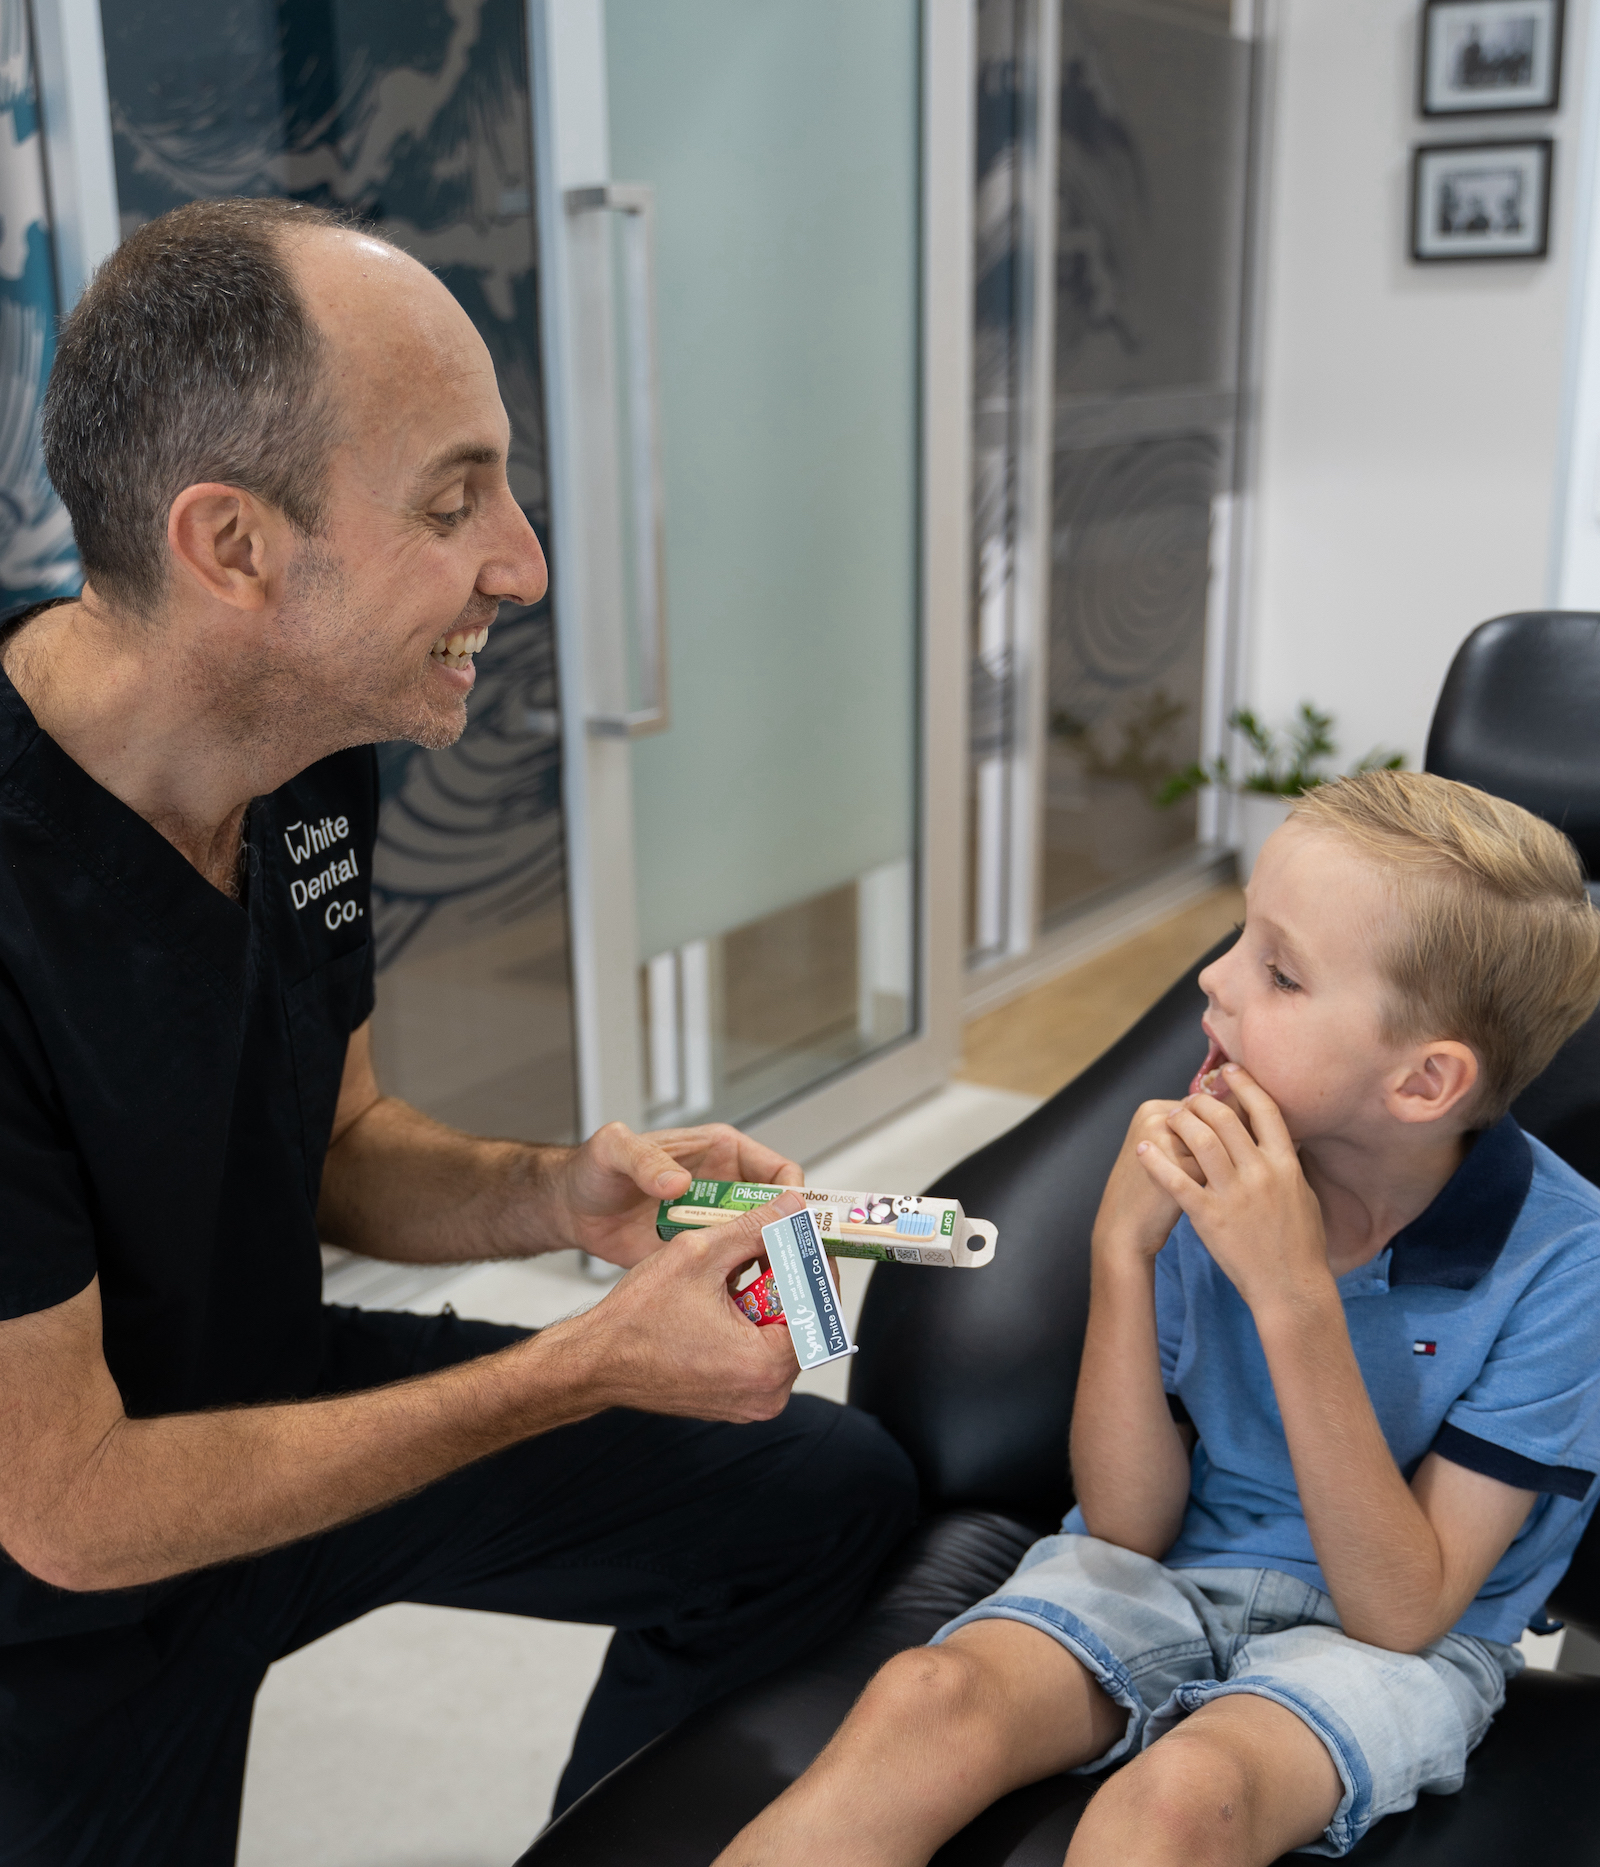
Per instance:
(717,1552)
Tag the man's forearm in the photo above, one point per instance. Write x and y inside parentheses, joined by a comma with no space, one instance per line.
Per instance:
(1130,1469)
(1378,1552)
(401,1186)
(158,1497)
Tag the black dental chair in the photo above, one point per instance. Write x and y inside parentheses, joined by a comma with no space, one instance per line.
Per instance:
(975,1377)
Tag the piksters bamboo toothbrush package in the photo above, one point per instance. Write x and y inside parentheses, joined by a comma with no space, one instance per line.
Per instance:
(896,1228)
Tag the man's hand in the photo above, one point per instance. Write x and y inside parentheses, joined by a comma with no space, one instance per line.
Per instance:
(95,1500)
(605,1194)
(1248,1199)
(670,1338)
(398,1185)
(1137,1211)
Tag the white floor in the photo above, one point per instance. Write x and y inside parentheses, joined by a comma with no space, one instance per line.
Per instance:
(424,1737)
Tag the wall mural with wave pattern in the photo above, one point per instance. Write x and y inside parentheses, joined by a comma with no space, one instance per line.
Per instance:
(37,559)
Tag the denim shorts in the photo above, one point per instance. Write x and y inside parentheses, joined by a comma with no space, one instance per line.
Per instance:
(1162,1642)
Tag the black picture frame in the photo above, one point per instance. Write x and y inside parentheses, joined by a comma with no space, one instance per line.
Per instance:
(1509,177)
(1540,94)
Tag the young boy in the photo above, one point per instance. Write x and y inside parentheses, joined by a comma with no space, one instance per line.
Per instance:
(1339,1409)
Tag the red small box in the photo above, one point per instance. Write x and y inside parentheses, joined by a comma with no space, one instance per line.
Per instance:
(760,1301)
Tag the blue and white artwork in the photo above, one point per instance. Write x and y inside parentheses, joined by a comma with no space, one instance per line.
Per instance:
(37,559)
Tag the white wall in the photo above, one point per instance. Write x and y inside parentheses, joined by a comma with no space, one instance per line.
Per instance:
(1411,426)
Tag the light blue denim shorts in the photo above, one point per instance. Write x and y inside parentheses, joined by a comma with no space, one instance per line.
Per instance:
(1162,1642)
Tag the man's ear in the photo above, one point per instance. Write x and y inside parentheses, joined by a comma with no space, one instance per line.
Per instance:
(1437,1078)
(226,542)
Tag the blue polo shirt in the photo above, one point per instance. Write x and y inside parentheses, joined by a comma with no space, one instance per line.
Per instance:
(1477,1330)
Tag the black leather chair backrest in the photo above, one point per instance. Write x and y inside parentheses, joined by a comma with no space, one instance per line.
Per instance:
(1519,716)
(974,1372)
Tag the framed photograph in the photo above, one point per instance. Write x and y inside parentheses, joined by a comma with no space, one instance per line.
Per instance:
(1490,55)
(1481,200)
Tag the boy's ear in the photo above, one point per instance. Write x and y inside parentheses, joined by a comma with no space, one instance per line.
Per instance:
(225,541)
(1436,1079)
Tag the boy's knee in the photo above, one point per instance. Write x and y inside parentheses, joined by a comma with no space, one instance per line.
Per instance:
(1196,1798)
(935,1688)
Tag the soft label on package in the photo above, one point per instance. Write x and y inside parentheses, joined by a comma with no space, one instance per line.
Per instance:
(810,1302)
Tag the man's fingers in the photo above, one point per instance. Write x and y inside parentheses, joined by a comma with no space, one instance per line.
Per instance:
(1265,1117)
(642,1159)
(716,1151)
(738,1241)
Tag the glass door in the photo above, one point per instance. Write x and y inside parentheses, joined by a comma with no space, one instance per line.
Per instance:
(1113,180)
(417,117)
(1153,144)
(743,206)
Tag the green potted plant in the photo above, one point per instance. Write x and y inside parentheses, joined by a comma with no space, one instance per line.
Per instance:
(1285,766)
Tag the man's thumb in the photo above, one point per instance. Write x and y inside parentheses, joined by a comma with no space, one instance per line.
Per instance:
(737,1241)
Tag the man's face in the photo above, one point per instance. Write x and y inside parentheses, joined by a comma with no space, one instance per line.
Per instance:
(380,615)
(1298,1000)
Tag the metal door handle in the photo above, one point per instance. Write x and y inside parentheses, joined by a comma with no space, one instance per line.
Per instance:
(635,201)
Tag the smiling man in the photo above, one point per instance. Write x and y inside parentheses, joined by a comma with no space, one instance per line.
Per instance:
(284,454)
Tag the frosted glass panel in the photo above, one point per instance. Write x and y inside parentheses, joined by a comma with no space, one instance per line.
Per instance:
(781,139)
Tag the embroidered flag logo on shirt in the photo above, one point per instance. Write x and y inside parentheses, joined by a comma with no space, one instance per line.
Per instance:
(1424,1348)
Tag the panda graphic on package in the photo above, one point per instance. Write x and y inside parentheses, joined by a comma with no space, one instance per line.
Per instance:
(903,1215)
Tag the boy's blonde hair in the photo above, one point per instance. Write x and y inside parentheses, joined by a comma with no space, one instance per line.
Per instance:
(1498,945)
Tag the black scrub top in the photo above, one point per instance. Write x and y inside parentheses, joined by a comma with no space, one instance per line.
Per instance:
(169,1065)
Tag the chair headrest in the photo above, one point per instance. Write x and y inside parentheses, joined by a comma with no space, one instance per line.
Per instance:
(1519,716)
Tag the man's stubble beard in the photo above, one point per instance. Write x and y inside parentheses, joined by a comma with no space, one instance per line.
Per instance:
(365,702)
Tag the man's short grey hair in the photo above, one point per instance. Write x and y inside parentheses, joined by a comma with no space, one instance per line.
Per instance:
(190,358)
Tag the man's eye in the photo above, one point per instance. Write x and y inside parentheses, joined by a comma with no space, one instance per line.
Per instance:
(451,518)
(1281,980)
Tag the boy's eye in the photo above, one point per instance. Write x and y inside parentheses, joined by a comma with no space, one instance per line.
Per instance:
(1281,980)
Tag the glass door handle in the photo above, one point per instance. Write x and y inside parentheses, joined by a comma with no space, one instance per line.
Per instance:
(635,203)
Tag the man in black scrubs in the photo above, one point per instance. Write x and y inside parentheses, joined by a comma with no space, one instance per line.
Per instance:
(284,454)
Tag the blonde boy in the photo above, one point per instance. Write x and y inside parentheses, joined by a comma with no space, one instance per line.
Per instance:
(1336,1426)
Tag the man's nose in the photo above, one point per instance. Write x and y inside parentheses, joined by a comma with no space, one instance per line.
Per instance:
(517,573)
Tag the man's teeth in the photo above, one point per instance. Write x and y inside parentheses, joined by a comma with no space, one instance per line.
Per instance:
(457,648)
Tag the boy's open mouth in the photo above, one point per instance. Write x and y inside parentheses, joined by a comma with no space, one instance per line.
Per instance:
(1205,1078)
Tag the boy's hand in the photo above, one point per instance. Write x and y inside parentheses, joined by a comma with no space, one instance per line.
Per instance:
(1246,1195)
(1137,1212)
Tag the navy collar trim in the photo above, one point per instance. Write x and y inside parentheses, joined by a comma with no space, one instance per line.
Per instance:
(1457,1240)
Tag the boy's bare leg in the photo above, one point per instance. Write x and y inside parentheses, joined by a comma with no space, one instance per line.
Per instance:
(1239,1782)
(938,1735)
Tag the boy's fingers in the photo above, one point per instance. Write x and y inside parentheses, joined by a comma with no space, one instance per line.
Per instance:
(1171,1179)
(1223,1123)
(1265,1118)
(1205,1137)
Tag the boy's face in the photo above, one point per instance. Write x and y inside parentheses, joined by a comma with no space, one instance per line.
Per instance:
(1298,999)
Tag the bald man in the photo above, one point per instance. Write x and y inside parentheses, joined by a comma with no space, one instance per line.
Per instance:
(284,454)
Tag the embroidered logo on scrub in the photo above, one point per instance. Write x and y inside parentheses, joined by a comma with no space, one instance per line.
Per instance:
(311,839)
(1424,1348)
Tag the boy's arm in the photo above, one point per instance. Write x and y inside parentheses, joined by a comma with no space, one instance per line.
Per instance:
(1401,1561)
(1130,1460)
